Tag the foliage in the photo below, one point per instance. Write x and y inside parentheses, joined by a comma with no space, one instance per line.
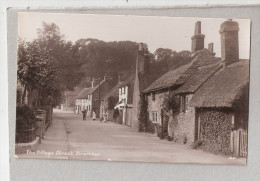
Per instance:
(171,102)
(35,65)
(143,114)
(165,59)
(111,102)
(116,113)
(25,124)
(164,54)
(65,55)
(215,130)
(36,70)
(98,57)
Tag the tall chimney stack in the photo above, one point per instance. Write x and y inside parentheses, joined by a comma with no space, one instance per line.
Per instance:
(142,58)
(197,40)
(229,42)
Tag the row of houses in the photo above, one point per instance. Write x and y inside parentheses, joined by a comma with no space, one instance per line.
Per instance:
(210,96)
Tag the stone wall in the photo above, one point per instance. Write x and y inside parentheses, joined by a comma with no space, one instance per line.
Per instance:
(155,105)
(185,126)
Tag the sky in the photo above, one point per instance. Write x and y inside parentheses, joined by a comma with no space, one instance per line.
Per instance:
(156,31)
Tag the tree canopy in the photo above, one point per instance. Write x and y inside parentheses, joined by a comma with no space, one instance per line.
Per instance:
(60,65)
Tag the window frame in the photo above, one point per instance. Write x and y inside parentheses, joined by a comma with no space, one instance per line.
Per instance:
(154,116)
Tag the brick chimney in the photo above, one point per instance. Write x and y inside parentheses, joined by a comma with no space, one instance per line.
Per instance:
(197,40)
(142,58)
(229,42)
(210,48)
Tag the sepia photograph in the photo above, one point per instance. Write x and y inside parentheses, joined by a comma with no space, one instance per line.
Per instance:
(132,88)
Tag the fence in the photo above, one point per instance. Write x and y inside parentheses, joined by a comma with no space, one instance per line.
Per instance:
(239,142)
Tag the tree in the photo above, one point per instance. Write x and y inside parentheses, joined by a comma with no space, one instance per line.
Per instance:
(164,54)
(36,71)
(65,54)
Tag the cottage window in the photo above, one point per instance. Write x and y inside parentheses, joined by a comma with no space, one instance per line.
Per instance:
(183,103)
(123,90)
(154,116)
(119,91)
(153,96)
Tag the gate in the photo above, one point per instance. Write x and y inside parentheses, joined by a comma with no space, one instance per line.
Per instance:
(239,142)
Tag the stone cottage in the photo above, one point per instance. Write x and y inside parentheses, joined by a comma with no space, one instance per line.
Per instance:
(221,104)
(183,82)
(89,99)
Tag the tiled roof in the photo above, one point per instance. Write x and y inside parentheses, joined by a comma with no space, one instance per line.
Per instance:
(222,89)
(86,91)
(113,92)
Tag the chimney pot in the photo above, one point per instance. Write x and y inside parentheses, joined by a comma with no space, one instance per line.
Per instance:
(197,28)
(229,42)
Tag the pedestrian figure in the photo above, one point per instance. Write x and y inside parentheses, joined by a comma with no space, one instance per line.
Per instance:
(84,114)
(94,115)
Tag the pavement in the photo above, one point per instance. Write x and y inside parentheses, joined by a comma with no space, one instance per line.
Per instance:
(69,137)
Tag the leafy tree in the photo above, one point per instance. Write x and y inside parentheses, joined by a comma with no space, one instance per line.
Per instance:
(164,54)
(35,67)
(65,54)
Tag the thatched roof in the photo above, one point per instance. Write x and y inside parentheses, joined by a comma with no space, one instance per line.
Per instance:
(198,77)
(86,91)
(180,75)
(222,89)
(168,79)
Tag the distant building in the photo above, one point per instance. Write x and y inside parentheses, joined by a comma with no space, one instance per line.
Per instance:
(125,100)
(105,110)
(90,98)
(70,97)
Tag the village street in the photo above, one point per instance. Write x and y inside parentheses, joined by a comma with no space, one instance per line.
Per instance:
(69,137)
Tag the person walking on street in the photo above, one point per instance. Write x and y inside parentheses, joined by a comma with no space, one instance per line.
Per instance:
(84,114)
(94,115)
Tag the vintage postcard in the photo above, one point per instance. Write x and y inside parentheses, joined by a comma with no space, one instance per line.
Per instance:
(132,88)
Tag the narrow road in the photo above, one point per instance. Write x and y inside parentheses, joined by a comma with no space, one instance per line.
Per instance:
(69,137)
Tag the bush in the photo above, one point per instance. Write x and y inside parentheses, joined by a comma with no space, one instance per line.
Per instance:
(116,113)
(111,102)
(25,124)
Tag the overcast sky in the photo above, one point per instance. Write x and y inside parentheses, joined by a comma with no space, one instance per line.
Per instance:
(156,31)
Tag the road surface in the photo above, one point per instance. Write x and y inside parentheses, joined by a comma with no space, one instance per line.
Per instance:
(69,137)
